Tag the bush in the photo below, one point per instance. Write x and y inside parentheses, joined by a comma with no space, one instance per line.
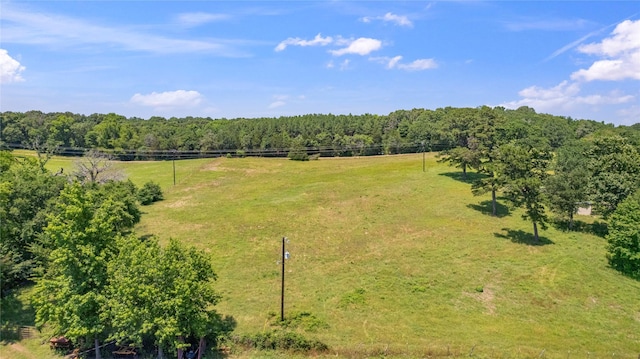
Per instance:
(298,155)
(149,193)
(280,340)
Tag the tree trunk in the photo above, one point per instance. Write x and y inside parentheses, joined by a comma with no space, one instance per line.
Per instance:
(180,351)
(160,352)
(464,171)
(571,220)
(493,203)
(201,347)
(535,232)
(96,344)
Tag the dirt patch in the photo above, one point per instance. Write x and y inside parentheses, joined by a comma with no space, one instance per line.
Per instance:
(486,298)
(180,203)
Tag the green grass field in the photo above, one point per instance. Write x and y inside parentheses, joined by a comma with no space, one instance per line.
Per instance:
(391,259)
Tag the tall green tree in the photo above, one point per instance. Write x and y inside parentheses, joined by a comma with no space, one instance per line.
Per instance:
(524,172)
(568,186)
(623,249)
(82,232)
(615,171)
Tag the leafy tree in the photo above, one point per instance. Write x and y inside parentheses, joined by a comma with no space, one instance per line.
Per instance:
(524,172)
(164,294)
(71,294)
(567,187)
(615,172)
(624,237)
(26,191)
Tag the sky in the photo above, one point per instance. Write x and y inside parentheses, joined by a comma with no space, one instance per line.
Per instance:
(230,59)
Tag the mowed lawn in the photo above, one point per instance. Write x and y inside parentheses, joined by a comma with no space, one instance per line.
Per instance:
(392,259)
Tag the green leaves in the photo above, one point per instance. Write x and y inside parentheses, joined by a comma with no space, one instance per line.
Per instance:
(624,237)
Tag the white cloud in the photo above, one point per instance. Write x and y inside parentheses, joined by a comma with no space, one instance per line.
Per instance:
(420,64)
(199,18)
(416,65)
(277,104)
(399,20)
(296,41)
(10,69)
(620,52)
(564,96)
(361,46)
(169,99)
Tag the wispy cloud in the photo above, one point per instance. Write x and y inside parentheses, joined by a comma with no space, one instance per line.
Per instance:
(168,99)
(416,65)
(23,27)
(10,69)
(546,24)
(296,41)
(399,20)
(193,19)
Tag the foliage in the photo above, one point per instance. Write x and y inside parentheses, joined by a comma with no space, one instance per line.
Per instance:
(615,172)
(624,237)
(524,171)
(82,233)
(150,192)
(162,294)
(26,191)
(280,340)
(568,186)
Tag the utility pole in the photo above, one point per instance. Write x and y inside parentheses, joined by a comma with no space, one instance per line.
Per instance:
(423,169)
(282,293)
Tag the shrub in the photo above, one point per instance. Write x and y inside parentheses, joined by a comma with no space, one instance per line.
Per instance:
(149,193)
(280,340)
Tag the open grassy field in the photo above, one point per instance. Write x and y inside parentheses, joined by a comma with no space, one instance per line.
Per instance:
(392,260)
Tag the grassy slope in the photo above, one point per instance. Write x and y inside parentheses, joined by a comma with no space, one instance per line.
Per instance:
(392,258)
(413,242)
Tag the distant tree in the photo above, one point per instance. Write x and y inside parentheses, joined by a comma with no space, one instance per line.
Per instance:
(524,172)
(615,172)
(71,294)
(623,250)
(568,186)
(96,167)
(461,157)
(298,151)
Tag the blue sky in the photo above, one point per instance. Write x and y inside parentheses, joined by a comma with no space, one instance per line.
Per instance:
(228,59)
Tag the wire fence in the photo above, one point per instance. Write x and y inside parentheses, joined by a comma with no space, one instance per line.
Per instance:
(160,155)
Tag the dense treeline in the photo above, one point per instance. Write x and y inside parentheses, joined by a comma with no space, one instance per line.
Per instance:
(325,134)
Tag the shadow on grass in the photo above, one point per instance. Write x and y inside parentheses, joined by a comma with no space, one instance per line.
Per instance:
(596,228)
(520,236)
(15,315)
(485,207)
(459,176)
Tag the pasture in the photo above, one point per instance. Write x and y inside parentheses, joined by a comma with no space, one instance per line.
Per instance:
(388,259)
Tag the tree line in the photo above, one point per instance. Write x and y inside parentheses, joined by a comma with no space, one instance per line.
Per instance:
(401,131)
